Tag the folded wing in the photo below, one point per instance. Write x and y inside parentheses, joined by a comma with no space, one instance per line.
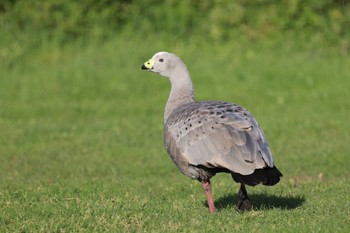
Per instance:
(220,135)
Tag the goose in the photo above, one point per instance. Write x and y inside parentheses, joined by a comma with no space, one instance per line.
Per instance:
(207,137)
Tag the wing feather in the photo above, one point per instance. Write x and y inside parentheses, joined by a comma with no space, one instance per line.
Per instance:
(219,134)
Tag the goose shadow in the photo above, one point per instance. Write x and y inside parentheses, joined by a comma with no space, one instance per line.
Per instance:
(262,202)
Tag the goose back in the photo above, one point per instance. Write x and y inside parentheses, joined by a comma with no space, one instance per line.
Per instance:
(203,138)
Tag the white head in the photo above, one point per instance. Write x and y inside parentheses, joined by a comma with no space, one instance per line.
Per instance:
(169,65)
(163,63)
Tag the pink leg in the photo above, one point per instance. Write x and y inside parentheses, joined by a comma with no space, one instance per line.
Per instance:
(207,190)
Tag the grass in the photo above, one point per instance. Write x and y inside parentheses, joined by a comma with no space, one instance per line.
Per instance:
(81,139)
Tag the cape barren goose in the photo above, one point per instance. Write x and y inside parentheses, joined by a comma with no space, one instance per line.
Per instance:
(204,138)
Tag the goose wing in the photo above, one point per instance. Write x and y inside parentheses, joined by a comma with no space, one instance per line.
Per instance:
(217,134)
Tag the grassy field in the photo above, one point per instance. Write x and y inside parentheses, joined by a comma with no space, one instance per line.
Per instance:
(81,145)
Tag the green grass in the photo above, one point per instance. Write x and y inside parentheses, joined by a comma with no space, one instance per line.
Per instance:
(81,145)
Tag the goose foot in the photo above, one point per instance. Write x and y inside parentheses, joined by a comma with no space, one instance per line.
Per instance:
(243,202)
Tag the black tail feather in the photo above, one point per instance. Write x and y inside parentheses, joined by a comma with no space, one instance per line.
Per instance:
(266,176)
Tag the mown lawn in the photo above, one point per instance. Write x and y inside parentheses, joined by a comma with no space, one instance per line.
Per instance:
(81,145)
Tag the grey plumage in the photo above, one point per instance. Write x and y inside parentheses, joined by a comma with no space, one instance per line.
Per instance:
(215,134)
(203,138)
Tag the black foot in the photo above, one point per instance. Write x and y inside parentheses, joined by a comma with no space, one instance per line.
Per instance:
(243,202)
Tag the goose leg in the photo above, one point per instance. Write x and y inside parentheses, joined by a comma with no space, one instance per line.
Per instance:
(207,189)
(243,202)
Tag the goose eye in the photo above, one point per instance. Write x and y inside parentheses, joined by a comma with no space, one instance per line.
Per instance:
(161,60)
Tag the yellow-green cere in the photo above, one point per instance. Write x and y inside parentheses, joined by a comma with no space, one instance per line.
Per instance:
(149,64)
